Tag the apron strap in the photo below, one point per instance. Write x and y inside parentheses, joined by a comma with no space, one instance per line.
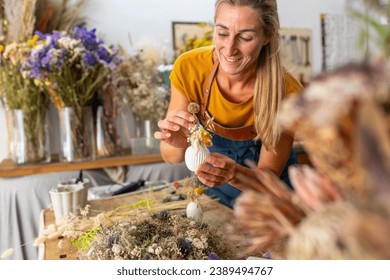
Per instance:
(237,133)
(206,93)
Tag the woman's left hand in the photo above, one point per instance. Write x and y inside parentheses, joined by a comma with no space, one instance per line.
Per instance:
(216,170)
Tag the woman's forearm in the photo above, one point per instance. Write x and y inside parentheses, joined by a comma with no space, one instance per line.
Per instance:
(171,154)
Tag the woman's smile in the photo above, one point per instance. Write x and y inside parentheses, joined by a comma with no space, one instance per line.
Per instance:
(238,39)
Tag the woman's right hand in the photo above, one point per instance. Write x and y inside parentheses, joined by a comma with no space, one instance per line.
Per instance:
(175,128)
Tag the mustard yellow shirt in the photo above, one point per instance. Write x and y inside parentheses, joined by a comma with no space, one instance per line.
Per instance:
(190,75)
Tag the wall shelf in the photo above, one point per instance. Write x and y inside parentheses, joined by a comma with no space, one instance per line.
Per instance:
(10,169)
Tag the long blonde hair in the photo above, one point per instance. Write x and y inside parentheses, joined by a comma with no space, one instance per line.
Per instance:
(269,89)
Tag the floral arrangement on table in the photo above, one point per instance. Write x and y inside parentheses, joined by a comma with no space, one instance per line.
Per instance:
(142,230)
(142,85)
(21,95)
(195,154)
(157,236)
(195,190)
(72,66)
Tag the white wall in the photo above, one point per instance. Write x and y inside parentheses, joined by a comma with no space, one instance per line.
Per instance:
(306,14)
(134,23)
(149,22)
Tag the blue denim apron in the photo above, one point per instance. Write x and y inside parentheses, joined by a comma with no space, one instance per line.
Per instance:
(240,151)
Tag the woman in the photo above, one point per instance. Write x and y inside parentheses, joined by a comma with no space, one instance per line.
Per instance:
(241,83)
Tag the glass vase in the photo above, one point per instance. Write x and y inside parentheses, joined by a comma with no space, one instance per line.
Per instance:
(108,141)
(77,134)
(28,136)
(144,141)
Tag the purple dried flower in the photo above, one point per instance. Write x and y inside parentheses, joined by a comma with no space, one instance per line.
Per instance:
(89,59)
(213,256)
(185,247)
(267,255)
(78,58)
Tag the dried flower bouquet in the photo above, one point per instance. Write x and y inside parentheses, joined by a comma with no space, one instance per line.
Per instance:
(27,102)
(72,66)
(161,236)
(140,86)
(146,229)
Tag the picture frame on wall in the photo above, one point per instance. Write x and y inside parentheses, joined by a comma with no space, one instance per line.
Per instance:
(296,52)
(182,32)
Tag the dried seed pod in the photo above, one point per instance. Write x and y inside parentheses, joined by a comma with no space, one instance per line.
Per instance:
(193,108)
(7,253)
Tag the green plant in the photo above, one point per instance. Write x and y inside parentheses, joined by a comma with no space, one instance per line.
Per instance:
(375,17)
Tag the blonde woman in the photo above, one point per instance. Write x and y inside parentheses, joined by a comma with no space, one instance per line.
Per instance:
(240,82)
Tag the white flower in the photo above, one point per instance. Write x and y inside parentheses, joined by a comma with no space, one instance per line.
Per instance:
(192,232)
(150,250)
(158,250)
(198,243)
(204,240)
(136,252)
(116,249)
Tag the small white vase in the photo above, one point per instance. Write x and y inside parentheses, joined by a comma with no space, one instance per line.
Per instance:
(194,210)
(193,156)
(68,197)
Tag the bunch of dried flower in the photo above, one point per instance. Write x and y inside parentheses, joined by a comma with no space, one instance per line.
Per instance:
(140,86)
(21,17)
(194,187)
(199,136)
(157,235)
(339,209)
(144,229)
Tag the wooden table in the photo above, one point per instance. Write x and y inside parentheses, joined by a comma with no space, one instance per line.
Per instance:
(214,213)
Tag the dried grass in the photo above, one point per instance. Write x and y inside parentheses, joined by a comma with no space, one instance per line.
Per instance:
(28,19)
(13,10)
(20,18)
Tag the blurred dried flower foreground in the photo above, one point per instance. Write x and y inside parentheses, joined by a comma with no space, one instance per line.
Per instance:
(339,209)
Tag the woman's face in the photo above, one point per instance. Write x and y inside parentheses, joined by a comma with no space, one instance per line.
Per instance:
(238,38)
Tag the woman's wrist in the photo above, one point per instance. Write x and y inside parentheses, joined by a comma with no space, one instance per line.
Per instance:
(236,169)
(240,173)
